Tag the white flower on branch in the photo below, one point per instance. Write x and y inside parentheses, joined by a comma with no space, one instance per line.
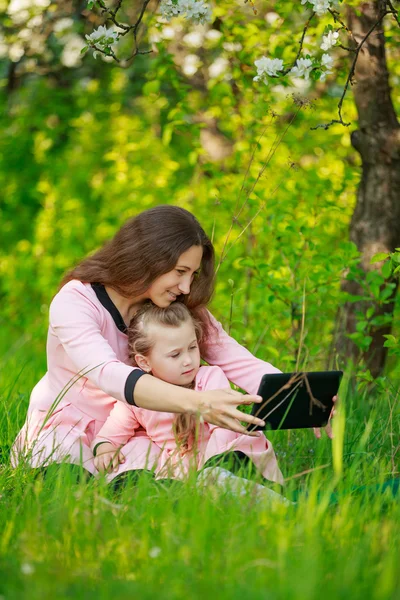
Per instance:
(327,63)
(195,10)
(102,38)
(267,66)
(328,41)
(302,68)
(320,7)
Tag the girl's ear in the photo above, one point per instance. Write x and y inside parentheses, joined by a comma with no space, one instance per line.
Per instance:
(142,362)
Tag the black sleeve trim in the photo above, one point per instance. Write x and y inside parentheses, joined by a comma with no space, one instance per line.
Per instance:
(130,385)
(97,445)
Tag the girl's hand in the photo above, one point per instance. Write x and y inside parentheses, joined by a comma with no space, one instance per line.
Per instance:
(108,458)
(218,407)
(328,428)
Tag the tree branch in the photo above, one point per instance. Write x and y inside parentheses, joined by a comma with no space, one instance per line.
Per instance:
(350,77)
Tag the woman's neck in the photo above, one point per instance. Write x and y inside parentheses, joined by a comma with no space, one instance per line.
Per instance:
(126,306)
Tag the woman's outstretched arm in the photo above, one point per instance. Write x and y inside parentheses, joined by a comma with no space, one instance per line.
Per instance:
(218,407)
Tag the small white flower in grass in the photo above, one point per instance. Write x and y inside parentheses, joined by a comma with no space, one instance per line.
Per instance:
(154,552)
(302,68)
(328,41)
(27,569)
(267,66)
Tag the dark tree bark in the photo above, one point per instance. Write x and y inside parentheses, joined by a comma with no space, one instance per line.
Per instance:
(375,225)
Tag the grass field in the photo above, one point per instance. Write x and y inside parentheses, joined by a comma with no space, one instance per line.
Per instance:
(65,538)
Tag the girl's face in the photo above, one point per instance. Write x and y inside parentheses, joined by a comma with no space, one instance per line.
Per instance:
(175,356)
(166,288)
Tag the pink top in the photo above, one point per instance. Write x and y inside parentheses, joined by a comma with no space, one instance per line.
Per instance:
(124,419)
(84,338)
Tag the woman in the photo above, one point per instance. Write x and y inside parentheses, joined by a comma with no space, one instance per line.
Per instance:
(162,255)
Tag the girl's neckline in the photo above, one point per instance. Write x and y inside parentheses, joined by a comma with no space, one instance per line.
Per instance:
(109,305)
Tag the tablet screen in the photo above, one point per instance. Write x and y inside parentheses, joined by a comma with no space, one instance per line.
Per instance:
(296,400)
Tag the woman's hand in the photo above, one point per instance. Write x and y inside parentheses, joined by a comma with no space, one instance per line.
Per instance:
(328,428)
(108,458)
(218,407)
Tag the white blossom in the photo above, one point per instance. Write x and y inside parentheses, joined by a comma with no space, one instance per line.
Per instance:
(218,67)
(16,51)
(168,33)
(302,68)
(213,35)
(102,38)
(194,39)
(154,552)
(71,54)
(267,66)
(329,40)
(327,63)
(21,10)
(63,24)
(271,17)
(320,7)
(191,64)
(232,46)
(196,10)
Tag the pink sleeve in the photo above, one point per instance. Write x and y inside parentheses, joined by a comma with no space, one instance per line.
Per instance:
(76,322)
(211,378)
(119,427)
(238,364)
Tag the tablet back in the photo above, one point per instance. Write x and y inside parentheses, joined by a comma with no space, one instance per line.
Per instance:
(297,400)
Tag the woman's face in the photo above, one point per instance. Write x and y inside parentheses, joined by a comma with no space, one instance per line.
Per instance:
(166,288)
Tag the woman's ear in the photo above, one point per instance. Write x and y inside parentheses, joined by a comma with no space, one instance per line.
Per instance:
(142,362)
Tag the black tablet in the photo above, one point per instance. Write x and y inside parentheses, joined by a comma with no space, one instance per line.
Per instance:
(296,400)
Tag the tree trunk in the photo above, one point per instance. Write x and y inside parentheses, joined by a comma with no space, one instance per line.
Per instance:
(375,225)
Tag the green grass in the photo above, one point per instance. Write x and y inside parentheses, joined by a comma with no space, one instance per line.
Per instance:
(63,538)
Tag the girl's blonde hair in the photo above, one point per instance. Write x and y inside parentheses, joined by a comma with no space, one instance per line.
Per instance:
(139,342)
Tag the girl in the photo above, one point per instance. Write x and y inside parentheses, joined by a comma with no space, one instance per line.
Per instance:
(165,343)
(162,255)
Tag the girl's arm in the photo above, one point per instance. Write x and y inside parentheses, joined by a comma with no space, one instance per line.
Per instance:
(119,427)
(238,364)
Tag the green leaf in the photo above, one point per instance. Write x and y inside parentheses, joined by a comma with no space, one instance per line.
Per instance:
(151,87)
(386,293)
(390,339)
(387,269)
(85,49)
(396,258)
(378,257)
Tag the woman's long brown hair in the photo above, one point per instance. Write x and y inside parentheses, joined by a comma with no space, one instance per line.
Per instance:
(147,246)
